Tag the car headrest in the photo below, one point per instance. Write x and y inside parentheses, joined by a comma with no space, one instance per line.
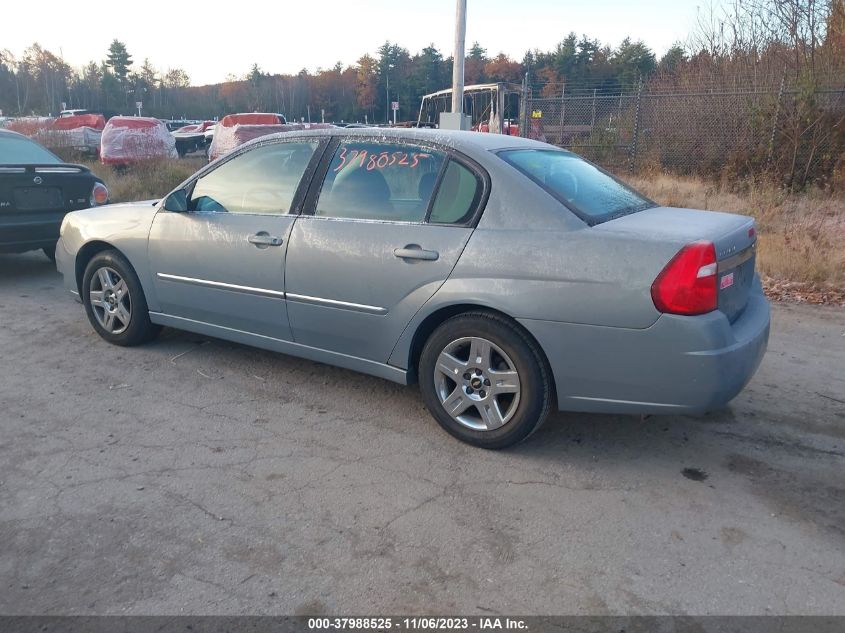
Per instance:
(361,188)
(426,185)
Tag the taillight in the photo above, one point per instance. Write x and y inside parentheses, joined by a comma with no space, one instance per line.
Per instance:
(687,285)
(99,194)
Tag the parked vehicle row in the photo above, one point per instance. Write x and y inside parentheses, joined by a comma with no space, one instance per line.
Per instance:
(234,130)
(128,140)
(504,275)
(192,137)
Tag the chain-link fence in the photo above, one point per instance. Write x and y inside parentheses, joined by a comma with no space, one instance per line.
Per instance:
(799,135)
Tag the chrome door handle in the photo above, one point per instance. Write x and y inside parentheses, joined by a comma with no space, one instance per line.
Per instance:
(415,251)
(263,239)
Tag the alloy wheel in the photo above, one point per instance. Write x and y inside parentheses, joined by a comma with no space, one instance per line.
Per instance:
(477,383)
(110,300)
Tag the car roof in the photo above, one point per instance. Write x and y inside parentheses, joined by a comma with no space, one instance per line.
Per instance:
(12,133)
(462,141)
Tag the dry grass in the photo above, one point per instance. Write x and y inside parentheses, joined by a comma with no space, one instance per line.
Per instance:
(146,181)
(802,236)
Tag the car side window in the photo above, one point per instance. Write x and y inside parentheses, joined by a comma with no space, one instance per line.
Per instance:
(380,181)
(261,181)
(457,196)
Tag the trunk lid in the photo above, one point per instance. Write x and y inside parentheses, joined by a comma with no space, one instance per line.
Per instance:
(733,236)
(43,189)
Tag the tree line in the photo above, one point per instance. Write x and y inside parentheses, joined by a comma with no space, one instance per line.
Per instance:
(758,90)
(39,81)
(793,50)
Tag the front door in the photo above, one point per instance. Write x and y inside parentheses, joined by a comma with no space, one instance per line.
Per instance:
(222,261)
(383,235)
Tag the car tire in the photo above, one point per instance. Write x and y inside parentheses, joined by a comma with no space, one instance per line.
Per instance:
(114,301)
(490,374)
(50,252)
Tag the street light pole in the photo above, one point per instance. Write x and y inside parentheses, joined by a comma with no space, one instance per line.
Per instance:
(387,68)
(456,120)
(460,55)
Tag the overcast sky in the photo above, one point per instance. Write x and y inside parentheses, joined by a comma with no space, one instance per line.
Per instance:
(284,36)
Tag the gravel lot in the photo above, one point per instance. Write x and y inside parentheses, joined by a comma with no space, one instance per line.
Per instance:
(198,476)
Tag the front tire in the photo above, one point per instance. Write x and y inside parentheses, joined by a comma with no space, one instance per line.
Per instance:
(50,252)
(485,380)
(114,300)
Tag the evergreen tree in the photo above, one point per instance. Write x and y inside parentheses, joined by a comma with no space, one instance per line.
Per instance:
(674,57)
(119,60)
(634,61)
(430,71)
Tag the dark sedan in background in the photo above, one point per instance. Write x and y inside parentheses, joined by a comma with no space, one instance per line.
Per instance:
(37,189)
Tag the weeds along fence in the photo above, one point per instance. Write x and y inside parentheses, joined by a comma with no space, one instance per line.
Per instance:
(794,134)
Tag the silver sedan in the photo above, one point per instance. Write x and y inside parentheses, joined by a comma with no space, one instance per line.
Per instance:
(504,275)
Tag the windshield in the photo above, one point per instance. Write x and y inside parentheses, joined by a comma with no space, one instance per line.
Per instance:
(15,150)
(589,192)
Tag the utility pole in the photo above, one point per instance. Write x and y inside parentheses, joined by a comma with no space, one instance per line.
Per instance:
(460,55)
(456,120)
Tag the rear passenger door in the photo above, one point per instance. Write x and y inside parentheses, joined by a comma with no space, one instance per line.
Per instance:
(376,241)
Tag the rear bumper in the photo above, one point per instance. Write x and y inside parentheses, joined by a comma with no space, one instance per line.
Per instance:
(22,233)
(678,365)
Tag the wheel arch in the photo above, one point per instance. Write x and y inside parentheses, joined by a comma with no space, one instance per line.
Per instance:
(86,254)
(432,321)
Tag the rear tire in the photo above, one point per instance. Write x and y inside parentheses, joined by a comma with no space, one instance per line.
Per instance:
(485,380)
(114,301)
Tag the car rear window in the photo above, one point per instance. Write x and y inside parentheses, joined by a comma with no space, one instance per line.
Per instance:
(20,151)
(592,194)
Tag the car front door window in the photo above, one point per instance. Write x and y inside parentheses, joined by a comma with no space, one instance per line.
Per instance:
(261,181)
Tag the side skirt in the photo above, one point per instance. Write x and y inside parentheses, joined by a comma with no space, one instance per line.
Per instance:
(354,363)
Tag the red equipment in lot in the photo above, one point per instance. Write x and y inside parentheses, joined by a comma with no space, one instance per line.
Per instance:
(195,128)
(31,125)
(80,133)
(494,108)
(252,118)
(234,130)
(127,140)
(94,121)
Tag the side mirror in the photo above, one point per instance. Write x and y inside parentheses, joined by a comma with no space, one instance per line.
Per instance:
(177,201)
